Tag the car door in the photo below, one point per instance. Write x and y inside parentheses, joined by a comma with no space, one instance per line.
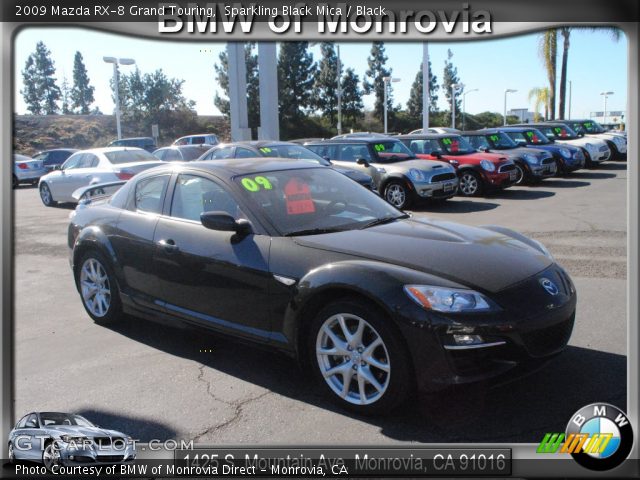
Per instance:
(80,175)
(215,278)
(348,155)
(133,240)
(220,153)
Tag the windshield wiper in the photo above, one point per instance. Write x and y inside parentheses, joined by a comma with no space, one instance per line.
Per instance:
(382,221)
(314,231)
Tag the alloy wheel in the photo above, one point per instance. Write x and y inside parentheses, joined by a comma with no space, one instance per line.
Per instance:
(95,287)
(396,195)
(12,454)
(45,194)
(50,456)
(519,174)
(353,359)
(469,184)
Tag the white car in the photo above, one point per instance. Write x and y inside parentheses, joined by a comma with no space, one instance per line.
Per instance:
(90,167)
(199,139)
(593,130)
(27,170)
(442,130)
(596,148)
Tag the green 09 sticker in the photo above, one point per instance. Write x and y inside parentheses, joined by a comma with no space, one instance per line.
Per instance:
(494,138)
(379,147)
(253,185)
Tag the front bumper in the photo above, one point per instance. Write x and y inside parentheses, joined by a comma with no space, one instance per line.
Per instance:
(515,340)
(436,190)
(544,170)
(88,455)
(499,180)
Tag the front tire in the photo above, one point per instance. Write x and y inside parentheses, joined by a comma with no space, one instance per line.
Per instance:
(470,183)
(521,175)
(50,456)
(358,358)
(99,289)
(397,194)
(46,196)
(12,454)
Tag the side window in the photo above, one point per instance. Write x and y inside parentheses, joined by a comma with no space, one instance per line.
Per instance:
(172,155)
(417,146)
(245,153)
(72,161)
(197,140)
(347,153)
(22,422)
(44,157)
(160,154)
(149,194)
(182,141)
(88,160)
(32,421)
(194,195)
(221,153)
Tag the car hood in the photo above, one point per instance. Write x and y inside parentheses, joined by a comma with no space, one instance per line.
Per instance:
(418,164)
(473,256)
(518,152)
(84,431)
(580,142)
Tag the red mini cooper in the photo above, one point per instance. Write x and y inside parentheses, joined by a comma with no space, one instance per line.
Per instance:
(478,171)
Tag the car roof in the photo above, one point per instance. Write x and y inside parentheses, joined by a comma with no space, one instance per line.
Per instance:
(420,136)
(134,138)
(362,139)
(484,131)
(72,150)
(256,143)
(200,146)
(111,149)
(516,128)
(232,167)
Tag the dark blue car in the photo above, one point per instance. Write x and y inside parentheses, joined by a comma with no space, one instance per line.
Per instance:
(568,157)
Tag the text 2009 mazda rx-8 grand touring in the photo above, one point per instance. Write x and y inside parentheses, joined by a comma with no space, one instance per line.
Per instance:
(300,257)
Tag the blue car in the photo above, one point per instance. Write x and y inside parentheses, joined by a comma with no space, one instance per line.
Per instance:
(568,157)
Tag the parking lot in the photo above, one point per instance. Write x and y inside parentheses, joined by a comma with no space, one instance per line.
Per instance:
(157,382)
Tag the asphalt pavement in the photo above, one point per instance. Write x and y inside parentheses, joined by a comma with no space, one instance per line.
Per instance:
(157,382)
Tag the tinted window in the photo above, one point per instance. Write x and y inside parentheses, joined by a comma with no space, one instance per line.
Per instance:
(220,153)
(424,147)
(32,421)
(245,153)
(352,152)
(197,140)
(191,153)
(391,151)
(478,141)
(56,418)
(149,194)
(160,153)
(22,422)
(126,156)
(73,161)
(88,160)
(194,195)
(45,157)
(172,155)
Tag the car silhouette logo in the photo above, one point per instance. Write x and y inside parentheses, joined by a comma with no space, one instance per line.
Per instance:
(549,286)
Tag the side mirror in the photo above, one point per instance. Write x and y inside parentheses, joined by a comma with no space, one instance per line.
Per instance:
(326,157)
(436,154)
(580,134)
(363,162)
(483,148)
(224,222)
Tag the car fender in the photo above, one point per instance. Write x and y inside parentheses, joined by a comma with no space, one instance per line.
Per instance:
(352,278)
(93,238)
(395,176)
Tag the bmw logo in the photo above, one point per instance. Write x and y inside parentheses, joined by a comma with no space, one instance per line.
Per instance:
(612,433)
(549,286)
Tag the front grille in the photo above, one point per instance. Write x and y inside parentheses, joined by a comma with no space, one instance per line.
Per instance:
(102,441)
(443,177)
(546,341)
(109,458)
(547,161)
(507,168)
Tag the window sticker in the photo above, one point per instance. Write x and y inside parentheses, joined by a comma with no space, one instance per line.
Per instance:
(494,138)
(298,199)
(379,147)
(253,185)
(446,141)
(265,150)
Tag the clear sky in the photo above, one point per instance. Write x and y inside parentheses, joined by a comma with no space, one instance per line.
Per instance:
(596,63)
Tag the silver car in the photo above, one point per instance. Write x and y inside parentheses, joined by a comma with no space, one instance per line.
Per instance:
(90,167)
(27,170)
(398,176)
(54,438)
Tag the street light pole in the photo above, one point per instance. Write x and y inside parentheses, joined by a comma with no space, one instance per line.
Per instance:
(386,81)
(464,105)
(454,87)
(604,114)
(339,76)
(570,87)
(507,90)
(426,91)
(115,61)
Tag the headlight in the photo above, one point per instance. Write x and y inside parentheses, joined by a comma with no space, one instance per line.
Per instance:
(544,249)
(416,175)
(619,141)
(578,155)
(442,299)
(531,158)
(487,165)
(565,152)
(128,440)
(75,439)
(380,170)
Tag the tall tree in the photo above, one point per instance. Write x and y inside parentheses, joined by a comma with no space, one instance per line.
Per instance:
(66,96)
(326,83)
(374,78)
(548,50)
(414,105)
(221,100)
(82,91)
(539,96)
(352,106)
(296,70)
(30,90)
(449,78)
(40,92)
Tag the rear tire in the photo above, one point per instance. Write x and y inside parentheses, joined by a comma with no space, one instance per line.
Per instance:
(351,342)
(99,289)
(46,195)
(470,183)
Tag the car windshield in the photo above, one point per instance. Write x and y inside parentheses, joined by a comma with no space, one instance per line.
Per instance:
(390,151)
(192,152)
(558,132)
(589,127)
(127,156)
(297,152)
(56,418)
(455,145)
(312,201)
(500,141)
(529,137)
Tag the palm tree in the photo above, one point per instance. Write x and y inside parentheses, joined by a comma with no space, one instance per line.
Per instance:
(548,51)
(539,96)
(613,32)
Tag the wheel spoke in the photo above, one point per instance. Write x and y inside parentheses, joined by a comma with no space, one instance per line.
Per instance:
(377,363)
(362,387)
(357,335)
(368,376)
(337,343)
(369,349)
(338,369)
(347,376)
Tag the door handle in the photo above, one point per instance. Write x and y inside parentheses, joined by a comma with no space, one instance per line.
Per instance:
(168,245)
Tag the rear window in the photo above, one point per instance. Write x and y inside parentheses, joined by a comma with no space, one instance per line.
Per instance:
(127,156)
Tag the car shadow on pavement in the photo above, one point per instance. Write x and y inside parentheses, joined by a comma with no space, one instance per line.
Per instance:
(565,183)
(521,411)
(522,194)
(613,166)
(145,428)
(457,205)
(592,175)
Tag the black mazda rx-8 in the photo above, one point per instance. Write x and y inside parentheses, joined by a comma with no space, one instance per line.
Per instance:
(299,257)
